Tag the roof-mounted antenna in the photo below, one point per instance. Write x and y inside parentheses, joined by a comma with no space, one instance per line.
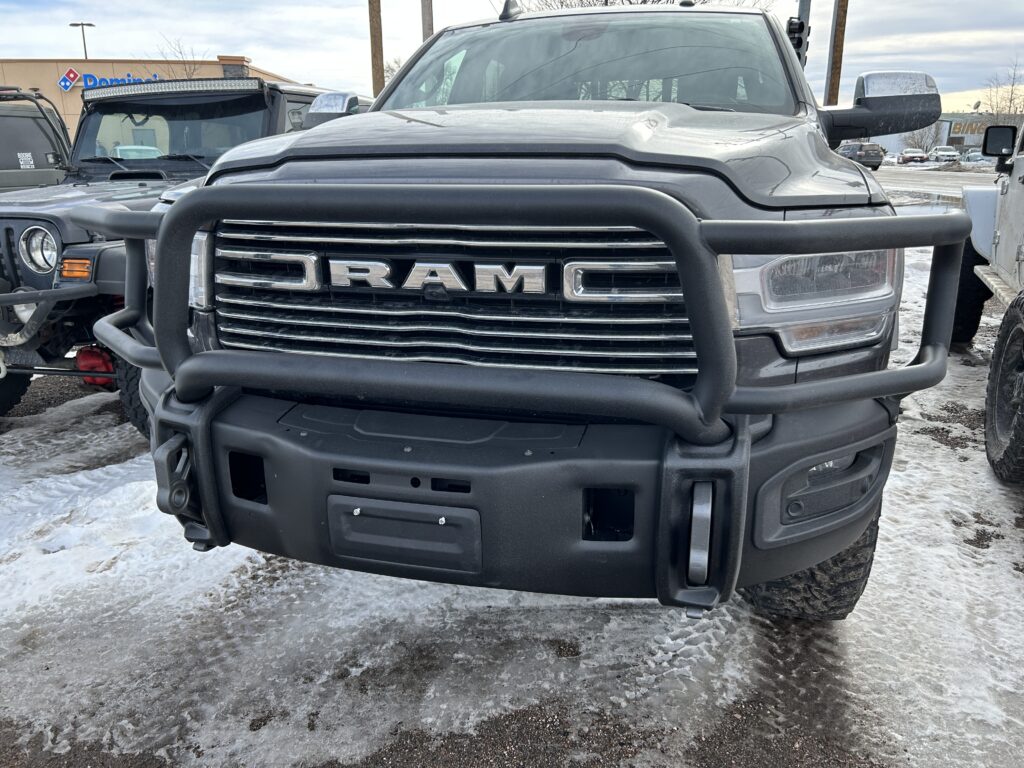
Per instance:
(510,10)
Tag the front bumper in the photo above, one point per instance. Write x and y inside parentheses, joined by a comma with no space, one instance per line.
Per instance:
(701,492)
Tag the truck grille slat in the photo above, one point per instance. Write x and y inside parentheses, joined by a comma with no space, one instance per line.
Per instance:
(407,327)
(260,305)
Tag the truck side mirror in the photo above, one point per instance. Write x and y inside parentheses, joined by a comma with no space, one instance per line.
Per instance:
(999,142)
(330,106)
(884,103)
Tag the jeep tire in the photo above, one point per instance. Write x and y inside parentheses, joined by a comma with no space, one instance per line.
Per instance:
(12,387)
(128,379)
(828,591)
(970,297)
(1004,425)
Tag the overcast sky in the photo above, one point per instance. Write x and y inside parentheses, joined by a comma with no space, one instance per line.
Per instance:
(326,43)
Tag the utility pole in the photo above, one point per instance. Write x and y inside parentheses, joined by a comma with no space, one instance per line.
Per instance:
(376,47)
(82,25)
(427,11)
(835,52)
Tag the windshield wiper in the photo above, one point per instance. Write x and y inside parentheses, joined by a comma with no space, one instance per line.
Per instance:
(185,156)
(706,107)
(103,159)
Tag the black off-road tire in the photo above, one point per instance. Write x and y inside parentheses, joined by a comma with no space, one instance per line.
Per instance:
(970,298)
(12,387)
(128,379)
(1004,424)
(829,591)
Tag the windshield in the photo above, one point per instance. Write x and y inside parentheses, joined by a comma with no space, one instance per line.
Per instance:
(180,134)
(711,60)
(26,140)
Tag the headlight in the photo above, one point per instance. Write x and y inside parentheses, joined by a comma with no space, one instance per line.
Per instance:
(38,249)
(818,302)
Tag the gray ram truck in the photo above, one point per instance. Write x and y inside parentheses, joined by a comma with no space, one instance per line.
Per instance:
(585,304)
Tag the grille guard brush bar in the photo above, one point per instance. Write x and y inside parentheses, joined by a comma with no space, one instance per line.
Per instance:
(695,416)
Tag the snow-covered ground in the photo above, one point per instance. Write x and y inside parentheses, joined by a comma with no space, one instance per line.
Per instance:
(119,645)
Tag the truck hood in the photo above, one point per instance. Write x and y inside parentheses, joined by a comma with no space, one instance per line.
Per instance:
(55,200)
(773,161)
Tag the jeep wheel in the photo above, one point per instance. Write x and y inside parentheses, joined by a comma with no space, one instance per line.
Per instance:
(829,591)
(128,378)
(1004,427)
(970,298)
(12,387)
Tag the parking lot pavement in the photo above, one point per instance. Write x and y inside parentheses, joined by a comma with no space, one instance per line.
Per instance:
(120,646)
(928,182)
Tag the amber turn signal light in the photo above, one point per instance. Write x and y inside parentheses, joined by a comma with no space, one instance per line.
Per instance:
(76,269)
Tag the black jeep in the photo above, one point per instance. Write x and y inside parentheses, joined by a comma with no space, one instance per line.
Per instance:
(134,142)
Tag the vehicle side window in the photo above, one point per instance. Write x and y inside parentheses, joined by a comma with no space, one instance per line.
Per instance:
(295,113)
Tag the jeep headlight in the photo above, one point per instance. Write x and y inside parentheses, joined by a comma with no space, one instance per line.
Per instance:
(38,249)
(818,302)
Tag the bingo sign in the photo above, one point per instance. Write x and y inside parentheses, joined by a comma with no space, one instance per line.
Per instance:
(89,80)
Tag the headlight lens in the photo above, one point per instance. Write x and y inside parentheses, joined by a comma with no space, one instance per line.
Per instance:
(829,278)
(38,249)
(818,302)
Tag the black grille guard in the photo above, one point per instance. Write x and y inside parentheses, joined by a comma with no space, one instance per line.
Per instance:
(695,416)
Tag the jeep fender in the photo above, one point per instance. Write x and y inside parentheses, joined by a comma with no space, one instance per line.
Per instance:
(981,204)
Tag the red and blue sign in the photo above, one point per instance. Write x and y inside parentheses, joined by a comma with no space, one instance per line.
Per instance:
(89,80)
(68,79)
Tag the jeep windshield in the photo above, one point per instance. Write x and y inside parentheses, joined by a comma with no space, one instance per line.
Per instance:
(707,60)
(181,135)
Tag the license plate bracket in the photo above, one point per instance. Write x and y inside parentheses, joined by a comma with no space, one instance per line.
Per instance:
(404,533)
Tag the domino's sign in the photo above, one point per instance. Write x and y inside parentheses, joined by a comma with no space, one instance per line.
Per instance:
(89,80)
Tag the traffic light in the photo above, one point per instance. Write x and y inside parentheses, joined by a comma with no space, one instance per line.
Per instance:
(799,31)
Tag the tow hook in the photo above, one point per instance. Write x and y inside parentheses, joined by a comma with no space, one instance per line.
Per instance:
(176,494)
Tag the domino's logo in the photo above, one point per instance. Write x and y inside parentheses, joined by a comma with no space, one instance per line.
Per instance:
(68,79)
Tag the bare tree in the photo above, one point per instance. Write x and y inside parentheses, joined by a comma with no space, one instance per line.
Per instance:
(391,67)
(926,138)
(554,5)
(1004,96)
(180,61)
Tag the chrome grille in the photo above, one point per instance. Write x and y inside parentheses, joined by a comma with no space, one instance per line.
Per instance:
(257,306)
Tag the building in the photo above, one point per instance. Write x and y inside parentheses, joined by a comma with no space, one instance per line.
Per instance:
(62,80)
(963,130)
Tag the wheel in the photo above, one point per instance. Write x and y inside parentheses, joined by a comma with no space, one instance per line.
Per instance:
(970,297)
(128,380)
(12,387)
(828,591)
(1004,426)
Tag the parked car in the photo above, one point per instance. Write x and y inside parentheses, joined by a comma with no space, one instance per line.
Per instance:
(34,144)
(974,156)
(413,366)
(944,154)
(912,155)
(868,155)
(133,142)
